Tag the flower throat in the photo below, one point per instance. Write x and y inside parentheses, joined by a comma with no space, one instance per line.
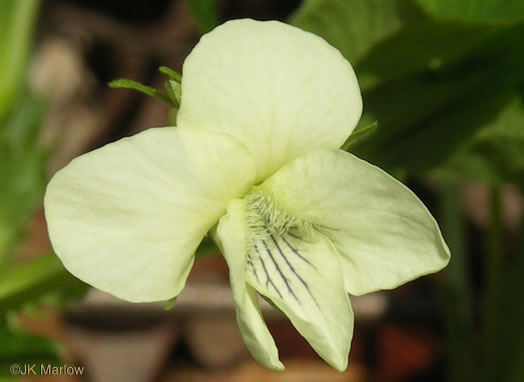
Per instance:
(264,218)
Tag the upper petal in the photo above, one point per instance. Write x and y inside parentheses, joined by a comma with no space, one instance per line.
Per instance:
(384,233)
(279,90)
(128,217)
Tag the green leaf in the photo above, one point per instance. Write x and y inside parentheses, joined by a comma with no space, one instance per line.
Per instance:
(505,347)
(17,19)
(19,347)
(124,83)
(205,13)
(31,280)
(22,171)
(475,10)
(389,39)
(453,290)
(421,47)
(495,154)
(424,119)
(516,370)
(356,26)
(18,344)
(431,85)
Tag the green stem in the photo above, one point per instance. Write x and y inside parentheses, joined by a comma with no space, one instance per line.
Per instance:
(455,298)
(493,273)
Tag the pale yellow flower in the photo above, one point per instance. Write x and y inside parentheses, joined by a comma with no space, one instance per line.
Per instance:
(255,161)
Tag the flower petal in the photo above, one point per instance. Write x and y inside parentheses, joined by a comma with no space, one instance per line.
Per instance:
(279,90)
(385,235)
(128,217)
(231,236)
(302,275)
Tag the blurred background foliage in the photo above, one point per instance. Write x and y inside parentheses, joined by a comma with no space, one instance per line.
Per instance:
(454,72)
(23,169)
(444,81)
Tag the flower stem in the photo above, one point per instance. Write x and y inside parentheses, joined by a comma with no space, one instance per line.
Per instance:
(455,298)
(493,272)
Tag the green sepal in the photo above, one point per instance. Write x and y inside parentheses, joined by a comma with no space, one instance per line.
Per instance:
(171,116)
(359,135)
(174,91)
(124,83)
(170,73)
(170,304)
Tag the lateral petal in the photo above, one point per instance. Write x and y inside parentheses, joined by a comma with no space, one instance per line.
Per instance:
(128,217)
(383,232)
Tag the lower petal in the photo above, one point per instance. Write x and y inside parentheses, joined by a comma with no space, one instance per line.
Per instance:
(231,236)
(300,271)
